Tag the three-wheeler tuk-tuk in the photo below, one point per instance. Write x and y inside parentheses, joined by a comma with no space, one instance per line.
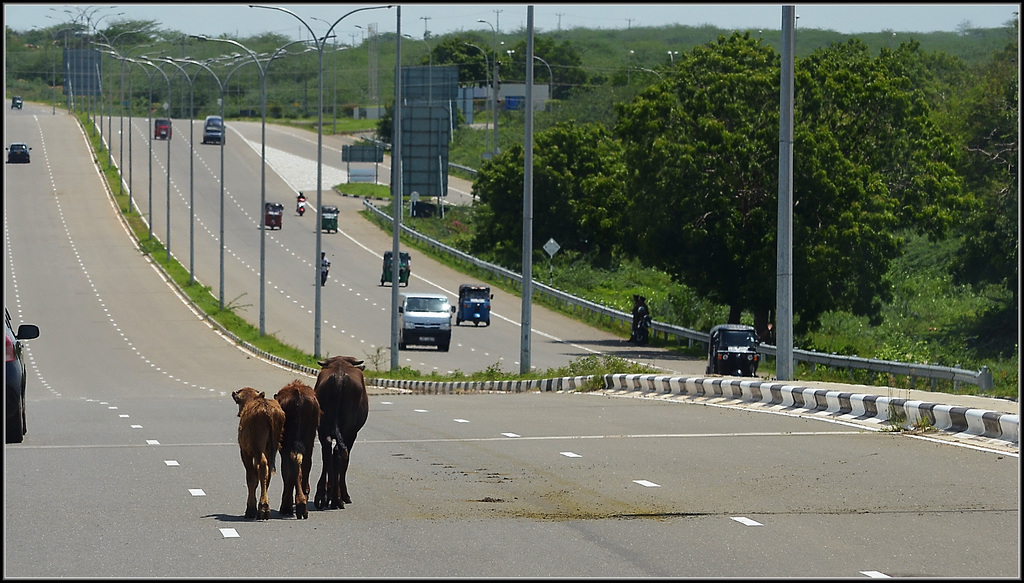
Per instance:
(732,350)
(329,218)
(274,212)
(162,129)
(474,305)
(403,268)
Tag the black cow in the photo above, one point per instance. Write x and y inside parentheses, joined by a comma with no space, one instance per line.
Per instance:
(301,419)
(341,392)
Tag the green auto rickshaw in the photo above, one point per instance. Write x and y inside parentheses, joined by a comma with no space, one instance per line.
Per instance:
(403,268)
(329,218)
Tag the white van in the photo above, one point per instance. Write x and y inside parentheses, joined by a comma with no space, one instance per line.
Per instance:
(213,130)
(425,319)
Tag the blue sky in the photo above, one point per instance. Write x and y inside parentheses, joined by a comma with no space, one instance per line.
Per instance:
(240,20)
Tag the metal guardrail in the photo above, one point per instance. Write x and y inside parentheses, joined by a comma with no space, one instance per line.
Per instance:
(981,378)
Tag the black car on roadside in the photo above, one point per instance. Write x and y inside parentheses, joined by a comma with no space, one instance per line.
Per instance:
(17,153)
(15,377)
(16,102)
(732,350)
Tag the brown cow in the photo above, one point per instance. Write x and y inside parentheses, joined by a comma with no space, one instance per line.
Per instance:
(260,424)
(301,417)
(342,395)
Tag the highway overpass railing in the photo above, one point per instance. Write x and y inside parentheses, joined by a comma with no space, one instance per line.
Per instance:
(932,373)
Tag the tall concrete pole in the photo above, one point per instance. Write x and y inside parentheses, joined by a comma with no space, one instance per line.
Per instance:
(784,278)
(396,188)
(527,315)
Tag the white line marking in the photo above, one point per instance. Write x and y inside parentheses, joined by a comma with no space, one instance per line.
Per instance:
(647,483)
(196,492)
(386,403)
(136,427)
(746,521)
(875,574)
(171,462)
(152,442)
(123,416)
(511,434)
(420,410)
(569,454)
(229,533)
(461,420)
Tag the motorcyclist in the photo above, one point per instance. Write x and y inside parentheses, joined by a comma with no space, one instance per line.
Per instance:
(325,265)
(300,204)
(640,311)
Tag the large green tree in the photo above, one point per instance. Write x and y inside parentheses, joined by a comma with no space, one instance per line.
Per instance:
(702,152)
(577,196)
(990,252)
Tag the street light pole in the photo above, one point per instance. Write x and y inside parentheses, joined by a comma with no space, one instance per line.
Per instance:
(651,71)
(319,148)
(551,80)
(149,132)
(191,170)
(131,193)
(263,163)
(430,70)
(168,242)
(220,294)
(494,87)
(487,118)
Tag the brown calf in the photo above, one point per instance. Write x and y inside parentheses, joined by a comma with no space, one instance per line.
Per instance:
(301,417)
(341,391)
(260,424)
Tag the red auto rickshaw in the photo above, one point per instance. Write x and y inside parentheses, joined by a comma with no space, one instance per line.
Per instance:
(274,212)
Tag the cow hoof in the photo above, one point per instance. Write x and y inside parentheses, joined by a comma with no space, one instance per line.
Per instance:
(302,514)
(346,500)
(250,513)
(286,511)
(264,513)
(319,502)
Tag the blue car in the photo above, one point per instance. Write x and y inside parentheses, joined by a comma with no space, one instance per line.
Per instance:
(18,153)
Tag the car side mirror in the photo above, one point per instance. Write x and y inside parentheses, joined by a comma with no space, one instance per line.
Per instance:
(400,309)
(28,332)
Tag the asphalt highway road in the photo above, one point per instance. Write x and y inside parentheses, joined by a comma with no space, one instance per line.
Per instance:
(355,308)
(130,466)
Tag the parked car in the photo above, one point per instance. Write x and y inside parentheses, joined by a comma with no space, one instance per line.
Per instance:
(18,153)
(15,377)
(732,350)
(16,102)
(162,129)
(214,130)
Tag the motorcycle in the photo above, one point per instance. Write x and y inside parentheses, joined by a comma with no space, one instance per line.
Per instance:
(640,332)
(300,205)
(643,329)
(325,266)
